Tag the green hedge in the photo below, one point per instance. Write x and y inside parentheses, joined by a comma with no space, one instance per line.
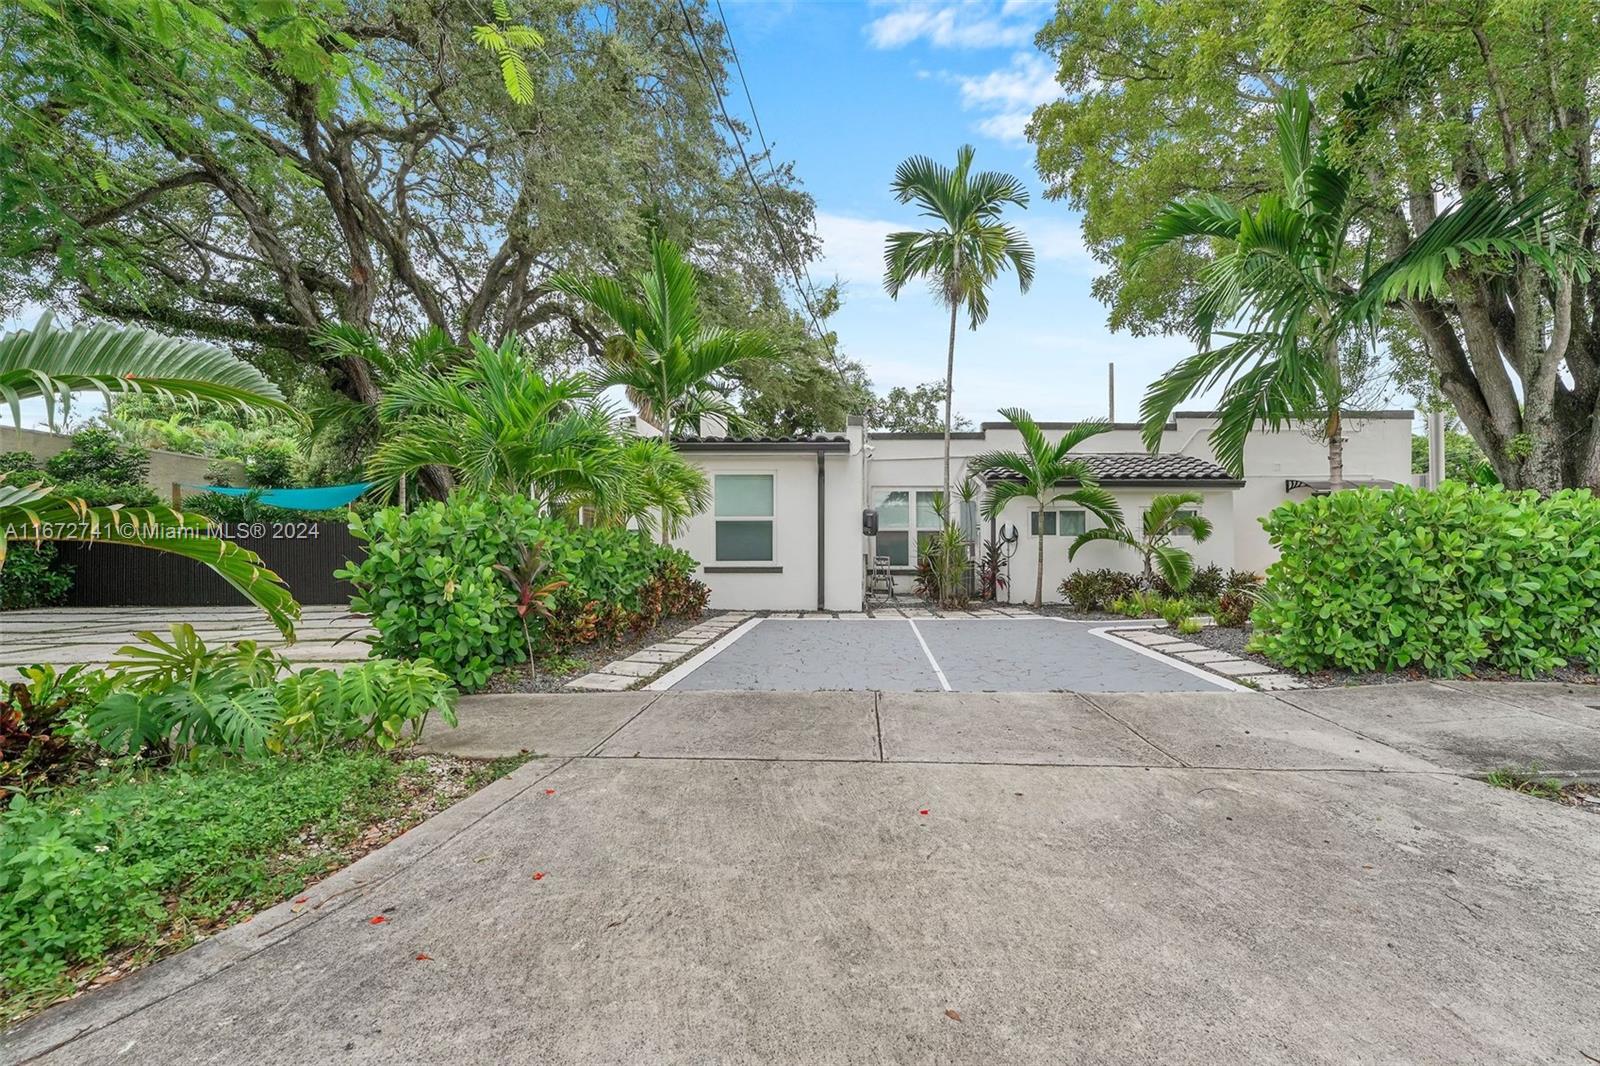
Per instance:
(429,584)
(1449,580)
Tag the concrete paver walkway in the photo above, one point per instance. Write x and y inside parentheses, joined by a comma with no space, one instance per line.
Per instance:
(913,877)
(61,636)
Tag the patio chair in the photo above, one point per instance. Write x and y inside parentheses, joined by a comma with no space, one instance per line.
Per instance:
(879,578)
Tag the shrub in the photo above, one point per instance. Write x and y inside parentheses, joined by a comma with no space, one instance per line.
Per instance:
(109,866)
(1189,626)
(1175,610)
(1446,580)
(1234,607)
(1139,604)
(1097,590)
(430,586)
(32,577)
(99,455)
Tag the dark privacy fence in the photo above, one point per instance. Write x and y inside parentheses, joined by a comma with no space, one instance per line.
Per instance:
(113,575)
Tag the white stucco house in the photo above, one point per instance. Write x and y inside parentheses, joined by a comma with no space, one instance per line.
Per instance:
(785,529)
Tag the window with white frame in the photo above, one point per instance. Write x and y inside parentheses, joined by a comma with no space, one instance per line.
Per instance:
(1058,522)
(900,524)
(743,508)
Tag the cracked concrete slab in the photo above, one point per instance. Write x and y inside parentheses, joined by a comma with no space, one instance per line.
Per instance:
(1248,730)
(545,723)
(1037,728)
(767,912)
(744,725)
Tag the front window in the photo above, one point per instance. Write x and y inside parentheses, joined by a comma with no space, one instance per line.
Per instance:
(900,524)
(1058,523)
(743,506)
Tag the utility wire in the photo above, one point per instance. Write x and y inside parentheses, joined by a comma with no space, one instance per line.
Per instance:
(711,83)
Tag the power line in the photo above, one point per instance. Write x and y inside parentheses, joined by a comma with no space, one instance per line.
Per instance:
(803,287)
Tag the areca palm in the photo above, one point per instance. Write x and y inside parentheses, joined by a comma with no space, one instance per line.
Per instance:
(661,354)
(1165,518)
(500,426)
(52,364)
(1289,290)
(661,484)
(37,512)
(1039,472)
(966,249)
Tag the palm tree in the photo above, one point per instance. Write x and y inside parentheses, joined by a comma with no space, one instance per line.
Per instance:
(965,250)
(1164,519)
(660,483)
(1038,472)
(661,354)
(1289,294)
(499,426)
(52,363)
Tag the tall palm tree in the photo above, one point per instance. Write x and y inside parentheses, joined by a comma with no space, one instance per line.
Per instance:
(1039,472)
(52,363)
(662,355)
(1289,291)
(660,483)
(1164,519)
(963,252)
(499,426)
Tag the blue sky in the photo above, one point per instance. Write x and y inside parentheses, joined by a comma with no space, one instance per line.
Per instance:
(848,90)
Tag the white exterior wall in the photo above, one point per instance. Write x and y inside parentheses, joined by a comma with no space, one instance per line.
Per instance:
(789,581)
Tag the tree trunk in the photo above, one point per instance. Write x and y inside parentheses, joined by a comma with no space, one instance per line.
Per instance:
(1335,450)
(666,429)
(949,394)
(1038,580)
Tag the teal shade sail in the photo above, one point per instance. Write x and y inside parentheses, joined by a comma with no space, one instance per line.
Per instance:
(327,498)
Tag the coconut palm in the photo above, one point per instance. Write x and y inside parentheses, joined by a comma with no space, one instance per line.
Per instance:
(1041,473)
(1289,291)
(500,426)
(1164,519)
(965,250)
(35,512)
(661,354)
(52,363)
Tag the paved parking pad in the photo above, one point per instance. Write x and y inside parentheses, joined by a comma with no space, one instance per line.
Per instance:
(933,654)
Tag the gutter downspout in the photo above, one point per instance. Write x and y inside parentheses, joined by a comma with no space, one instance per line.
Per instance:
(822,532)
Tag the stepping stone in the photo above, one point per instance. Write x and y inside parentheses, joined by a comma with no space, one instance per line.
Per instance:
(601,682)
(1210,655)
(675,648)
(631,669)
(1179,646)
(784,616)
(1240,668)
(650,655)
(1276,682)
(851,616)
(1149,638)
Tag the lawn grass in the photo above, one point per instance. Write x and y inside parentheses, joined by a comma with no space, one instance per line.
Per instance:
(101,877)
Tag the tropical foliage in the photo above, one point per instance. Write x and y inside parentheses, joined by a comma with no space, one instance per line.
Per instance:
(430,583)
(1041,473)
(1168,516)
(963,252)
(1160,101)
(1449,581)
(1288,291)
(660,351)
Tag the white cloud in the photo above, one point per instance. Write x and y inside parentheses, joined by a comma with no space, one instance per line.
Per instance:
(951,25)
(1060,240)
(852,249)
(1008,96)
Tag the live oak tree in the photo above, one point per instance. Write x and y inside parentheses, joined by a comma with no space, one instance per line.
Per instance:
(1163,101)
(250,173)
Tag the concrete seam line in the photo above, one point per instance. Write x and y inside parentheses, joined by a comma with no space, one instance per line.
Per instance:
(877,719)
(700,658)
(1104,633)
(295,923)
(1340,725)
(1449,686)
(943,681)
(841,760)
(651,702)
(1091,701)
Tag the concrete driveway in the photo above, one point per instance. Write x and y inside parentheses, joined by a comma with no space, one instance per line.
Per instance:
(912,877)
